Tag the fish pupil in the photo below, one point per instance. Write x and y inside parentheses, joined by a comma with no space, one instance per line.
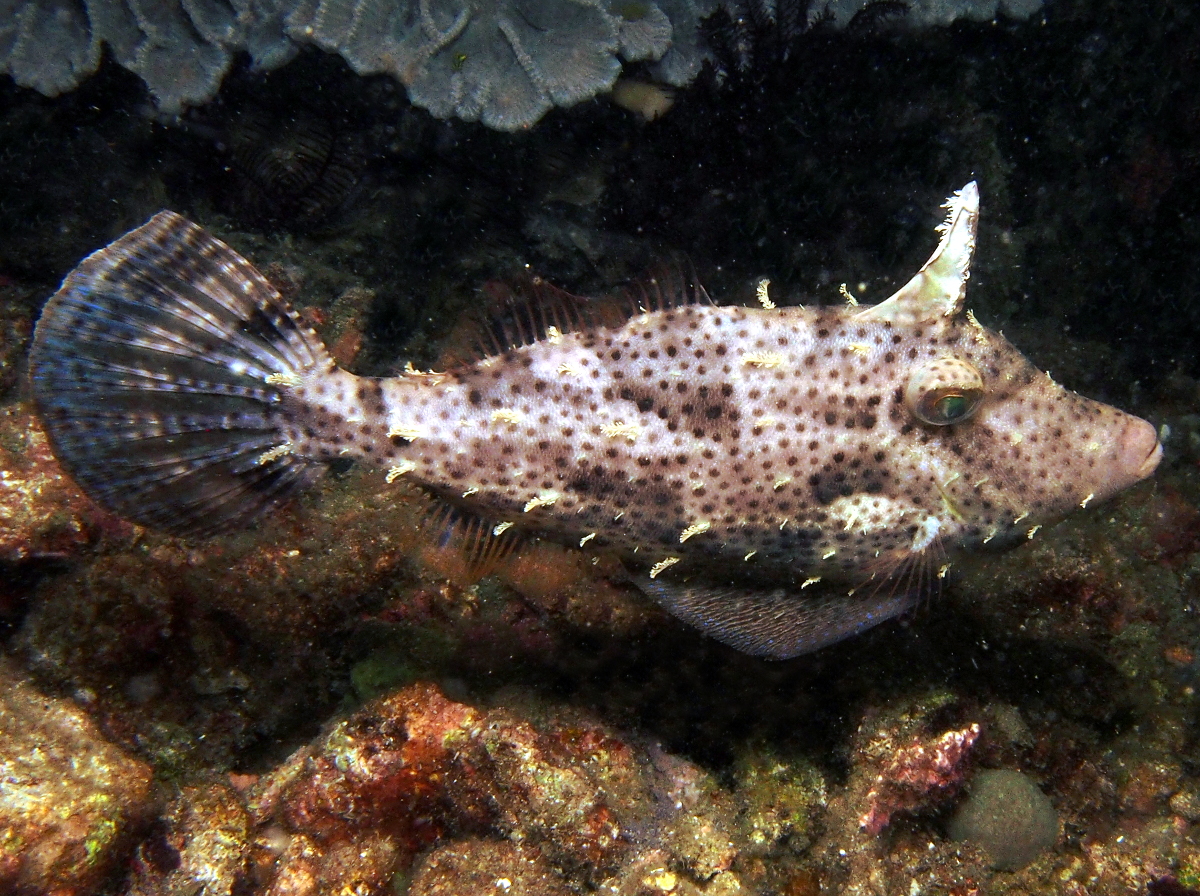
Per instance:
(951,407)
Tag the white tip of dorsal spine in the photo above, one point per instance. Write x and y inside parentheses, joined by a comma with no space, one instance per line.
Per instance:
(961,201)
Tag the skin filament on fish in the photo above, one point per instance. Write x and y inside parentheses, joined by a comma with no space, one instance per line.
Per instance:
(622,430)
(395,472)
(275,453)
(764,360)
(507,415)
(408,431)
(665,563)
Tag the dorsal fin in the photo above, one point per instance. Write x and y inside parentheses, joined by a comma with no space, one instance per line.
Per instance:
(939,288)
(531,309)
(667,286)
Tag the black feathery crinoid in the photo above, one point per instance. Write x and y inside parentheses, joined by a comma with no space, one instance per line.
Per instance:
(753,40)
(755,43)
(299,169)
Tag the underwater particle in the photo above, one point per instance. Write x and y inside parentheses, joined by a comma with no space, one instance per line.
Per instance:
(69,800)
(1008,816)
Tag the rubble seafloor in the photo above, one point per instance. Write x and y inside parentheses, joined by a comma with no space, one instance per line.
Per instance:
(333,704)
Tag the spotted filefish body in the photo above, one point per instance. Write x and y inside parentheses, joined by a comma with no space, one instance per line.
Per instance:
(754,467)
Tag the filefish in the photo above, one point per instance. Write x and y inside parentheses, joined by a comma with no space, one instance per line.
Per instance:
(780,477)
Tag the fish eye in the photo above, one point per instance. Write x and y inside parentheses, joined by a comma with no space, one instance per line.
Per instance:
(944,391)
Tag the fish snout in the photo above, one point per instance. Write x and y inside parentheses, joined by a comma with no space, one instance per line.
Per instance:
(1138,450)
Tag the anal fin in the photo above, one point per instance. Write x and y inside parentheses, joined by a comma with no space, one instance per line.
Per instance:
(779,623)
(470,546)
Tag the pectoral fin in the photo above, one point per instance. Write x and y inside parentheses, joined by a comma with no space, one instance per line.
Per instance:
(779,623)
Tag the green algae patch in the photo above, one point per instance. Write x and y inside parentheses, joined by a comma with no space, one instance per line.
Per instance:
(382,671)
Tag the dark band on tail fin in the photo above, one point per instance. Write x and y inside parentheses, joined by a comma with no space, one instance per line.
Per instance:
(157,368)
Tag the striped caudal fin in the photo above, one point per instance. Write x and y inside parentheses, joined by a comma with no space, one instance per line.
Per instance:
(156,370)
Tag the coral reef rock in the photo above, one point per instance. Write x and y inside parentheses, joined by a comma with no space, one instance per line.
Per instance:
(201,844)
(45,516)
(1008,816)
(70,800)
(484,868)
(417,769)
(919,774)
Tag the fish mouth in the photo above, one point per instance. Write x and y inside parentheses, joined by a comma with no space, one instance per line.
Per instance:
(1151,462)
(1140,449)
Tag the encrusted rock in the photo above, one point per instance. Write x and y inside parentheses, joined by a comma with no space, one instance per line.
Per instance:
(70,800)
(201,844)
(44,514)
(485,868)
(363,867)
(422,768)
(922,773)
